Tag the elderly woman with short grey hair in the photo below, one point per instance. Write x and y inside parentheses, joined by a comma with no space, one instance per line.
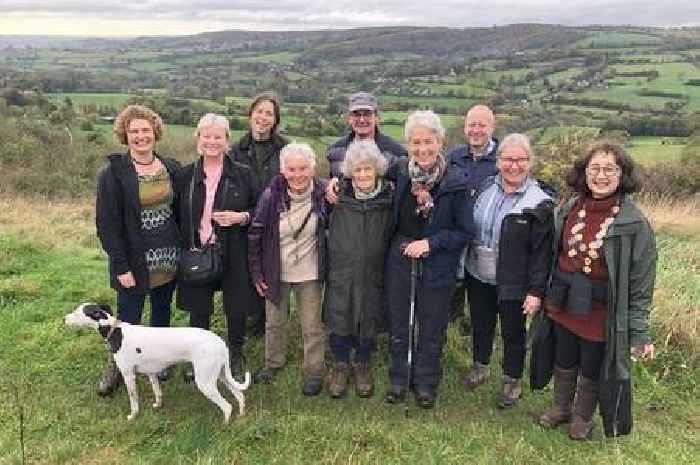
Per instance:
(357,238)
(216,198)
(430,226)
(287,254)
(507,263)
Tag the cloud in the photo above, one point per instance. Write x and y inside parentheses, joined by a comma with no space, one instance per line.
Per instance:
(172,17)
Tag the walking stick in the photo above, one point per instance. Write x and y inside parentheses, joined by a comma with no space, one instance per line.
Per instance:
(411,328)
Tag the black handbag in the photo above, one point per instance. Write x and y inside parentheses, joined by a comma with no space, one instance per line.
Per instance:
(542,346)
(203,265)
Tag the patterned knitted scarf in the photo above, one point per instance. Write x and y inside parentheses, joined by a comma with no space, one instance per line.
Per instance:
(422,181)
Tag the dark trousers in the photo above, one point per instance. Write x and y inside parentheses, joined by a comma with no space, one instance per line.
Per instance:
(572,351)
(130,306)
(341,346)
(431,315)
(485,310)
(201,317)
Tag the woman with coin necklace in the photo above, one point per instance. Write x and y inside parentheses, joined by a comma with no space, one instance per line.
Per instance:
(600,294)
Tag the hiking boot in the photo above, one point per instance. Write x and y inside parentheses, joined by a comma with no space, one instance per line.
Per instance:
(236,362)
(364,379)
(425,397)
(266,375)
(188,373)
(312,386)
(111,378)
(395,394)
(585,402)
(511,392)
(163,375)
(563,396)
(476,376)
(338,380)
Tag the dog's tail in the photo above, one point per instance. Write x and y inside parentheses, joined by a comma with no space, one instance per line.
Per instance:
(231,381)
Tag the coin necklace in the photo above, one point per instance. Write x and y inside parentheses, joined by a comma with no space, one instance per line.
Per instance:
(590,251)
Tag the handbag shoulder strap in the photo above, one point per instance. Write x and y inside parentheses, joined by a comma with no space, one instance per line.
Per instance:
(296,234)
(194,170)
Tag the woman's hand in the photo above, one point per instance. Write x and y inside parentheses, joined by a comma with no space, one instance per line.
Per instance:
(261,287)
(126,280)
(417,249)
(229,217)
(642,352)
(531,305)
(332,191)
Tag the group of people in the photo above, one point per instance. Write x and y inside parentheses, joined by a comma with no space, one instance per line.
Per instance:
(393,241)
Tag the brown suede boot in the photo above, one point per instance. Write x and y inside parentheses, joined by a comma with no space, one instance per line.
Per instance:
(364,379)
(584,407)
(511,392)
(477,375)
(560,410)
(338,380)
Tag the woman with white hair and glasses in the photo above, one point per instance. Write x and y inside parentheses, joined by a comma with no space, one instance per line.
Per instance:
(287,254)
(216,200)
(430,224)
(507,263)
(358,226)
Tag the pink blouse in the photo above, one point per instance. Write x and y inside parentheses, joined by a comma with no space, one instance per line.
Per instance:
(211,182)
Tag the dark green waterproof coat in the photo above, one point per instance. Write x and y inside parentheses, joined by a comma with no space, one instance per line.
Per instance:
(630,254)
(357,242)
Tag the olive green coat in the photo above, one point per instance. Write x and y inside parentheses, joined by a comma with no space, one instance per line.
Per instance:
(630,255)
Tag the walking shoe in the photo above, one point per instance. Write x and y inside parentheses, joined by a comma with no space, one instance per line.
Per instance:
(364,379)
(395,394)
(188,373)
(425,397)
(563,396)
(312,386)
(338,380)
(585,402)
(266,375)
(476,376)
(511,392)
(111,378)
(163,374)
(236,362)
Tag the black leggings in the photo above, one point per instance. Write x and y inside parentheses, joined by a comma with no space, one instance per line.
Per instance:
(572,350)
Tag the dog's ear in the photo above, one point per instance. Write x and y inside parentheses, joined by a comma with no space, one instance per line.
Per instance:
(105,308)
(95,312)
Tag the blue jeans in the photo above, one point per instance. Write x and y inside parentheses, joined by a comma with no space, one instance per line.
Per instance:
(130,306)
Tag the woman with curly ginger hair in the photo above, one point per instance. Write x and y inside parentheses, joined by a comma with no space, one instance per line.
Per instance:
(136,225)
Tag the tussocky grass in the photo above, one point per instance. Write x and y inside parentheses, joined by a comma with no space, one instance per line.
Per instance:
(50,372)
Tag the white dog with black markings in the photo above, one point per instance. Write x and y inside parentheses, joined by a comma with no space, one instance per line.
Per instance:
(143,349)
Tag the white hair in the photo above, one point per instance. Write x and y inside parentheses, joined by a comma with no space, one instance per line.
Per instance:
(212,119)
(363,151)
(424,119)
(297,150)
(516,140)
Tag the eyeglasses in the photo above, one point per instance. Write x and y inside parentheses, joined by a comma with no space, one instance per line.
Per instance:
(608,170)
(362,114)
(515,161)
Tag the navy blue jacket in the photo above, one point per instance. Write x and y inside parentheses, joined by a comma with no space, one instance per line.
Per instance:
(476,171)
(448,229)
(391,149)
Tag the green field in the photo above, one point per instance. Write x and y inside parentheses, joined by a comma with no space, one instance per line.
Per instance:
(652,150)
(49,375)
(610,39)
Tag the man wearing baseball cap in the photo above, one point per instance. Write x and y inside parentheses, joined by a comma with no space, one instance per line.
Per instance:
(363,118)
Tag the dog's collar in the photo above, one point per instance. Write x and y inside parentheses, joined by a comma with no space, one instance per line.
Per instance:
(112,327)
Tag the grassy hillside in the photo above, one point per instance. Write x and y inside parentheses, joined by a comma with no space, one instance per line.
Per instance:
(49,374)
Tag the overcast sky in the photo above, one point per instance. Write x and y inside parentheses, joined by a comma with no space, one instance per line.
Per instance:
(167,17)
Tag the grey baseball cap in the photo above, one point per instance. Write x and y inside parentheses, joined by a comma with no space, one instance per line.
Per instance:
(363,101)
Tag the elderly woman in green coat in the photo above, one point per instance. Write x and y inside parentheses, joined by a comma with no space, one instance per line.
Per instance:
(601,290)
